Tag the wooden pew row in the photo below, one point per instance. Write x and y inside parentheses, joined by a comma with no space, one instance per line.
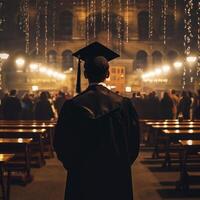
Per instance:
(38,145)
(5,181)
(189,148)
(48,141)
(20,164)
(150,137)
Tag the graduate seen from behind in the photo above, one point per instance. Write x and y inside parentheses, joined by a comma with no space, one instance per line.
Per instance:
(97,134)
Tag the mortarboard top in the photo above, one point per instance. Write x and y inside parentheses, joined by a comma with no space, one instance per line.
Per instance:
(93,50)
(88,54)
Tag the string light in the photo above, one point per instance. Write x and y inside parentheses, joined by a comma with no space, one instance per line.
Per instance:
(151,5)
(165,7)
(175,10)
(37,35)
(46,29)
(108,21)
(119,26)
(127,20)
(198,37)
(26,22)
(54,24)
(189,5)
(87,21)
(103,13)
(94,18)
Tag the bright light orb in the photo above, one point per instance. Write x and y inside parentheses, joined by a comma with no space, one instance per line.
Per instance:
(4,56)
(20,62)
(33,67)
(166,68)
(158,71)
(128,89)
(178,64)
(191,59)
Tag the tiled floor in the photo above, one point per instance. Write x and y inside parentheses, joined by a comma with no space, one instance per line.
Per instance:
(151,182)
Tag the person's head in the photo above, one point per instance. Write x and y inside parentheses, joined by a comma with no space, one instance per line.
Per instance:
(184,94)
(133,95)
(96,70)
(173,91)
(166,95)
(13,92)
(43,96)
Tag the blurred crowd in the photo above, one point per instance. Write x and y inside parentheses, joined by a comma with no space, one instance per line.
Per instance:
(169,105)
(42,106)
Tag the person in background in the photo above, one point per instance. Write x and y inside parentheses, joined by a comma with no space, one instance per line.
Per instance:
(27,107)
(59,101)
(175,100)
(11,106)
(166,107)
(196,106)
(43,109)
(184,105)
(153,106)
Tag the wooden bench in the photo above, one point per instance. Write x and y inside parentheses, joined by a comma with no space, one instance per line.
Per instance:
(48,141)
(5,184)
(21,162)
(36,134)
(188,146)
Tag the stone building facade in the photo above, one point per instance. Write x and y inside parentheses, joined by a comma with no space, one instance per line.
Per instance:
(71,24)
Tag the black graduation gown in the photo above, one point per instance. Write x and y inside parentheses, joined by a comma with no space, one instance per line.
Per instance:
(97,140)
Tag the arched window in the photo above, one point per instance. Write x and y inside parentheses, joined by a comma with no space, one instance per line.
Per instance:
(172,56)
(115,28)
(143,25)
(157,58)
(52,57)
(66,24)
(67,60)
(170,26)
(141,59)
(2,16)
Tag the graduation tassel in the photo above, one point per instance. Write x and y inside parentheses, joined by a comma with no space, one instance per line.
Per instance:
(78,81)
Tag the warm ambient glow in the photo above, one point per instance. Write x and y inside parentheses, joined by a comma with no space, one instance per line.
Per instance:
(178,64)
(191,59)
(166,68)
(4,56)
(35,88)
(128,89)
(20,62)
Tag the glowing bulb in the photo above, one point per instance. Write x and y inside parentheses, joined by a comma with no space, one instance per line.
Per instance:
(166,68)
(20,62)
(178,64)
(191,59)
(158,71)
(34,66)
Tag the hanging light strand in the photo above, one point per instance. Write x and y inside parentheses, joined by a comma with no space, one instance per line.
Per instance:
(198,37)
(151,5)
(46,29)
(37,35)
(94,18)
(119,26)
(188,35)
(54,24)
(165,7)
(127,20)
(87,21)
(175,10)
(27,28)
(108,21)
(103,13)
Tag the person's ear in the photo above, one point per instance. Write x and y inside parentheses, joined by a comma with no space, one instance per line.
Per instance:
(108,74)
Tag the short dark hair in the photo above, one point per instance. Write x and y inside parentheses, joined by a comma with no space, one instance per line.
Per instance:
(97,70)
(13,92)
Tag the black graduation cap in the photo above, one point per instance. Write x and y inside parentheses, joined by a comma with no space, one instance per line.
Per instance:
(88,54)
